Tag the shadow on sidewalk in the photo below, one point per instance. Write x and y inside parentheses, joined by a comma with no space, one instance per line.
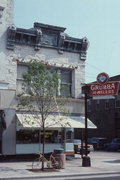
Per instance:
(113,161)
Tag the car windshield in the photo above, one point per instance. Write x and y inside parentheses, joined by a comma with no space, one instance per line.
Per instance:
(116,140)
(69,140)
(77,141)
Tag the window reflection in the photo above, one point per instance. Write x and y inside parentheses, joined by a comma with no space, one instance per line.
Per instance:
(36,136)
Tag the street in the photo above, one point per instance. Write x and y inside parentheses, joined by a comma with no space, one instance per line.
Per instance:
(115,176)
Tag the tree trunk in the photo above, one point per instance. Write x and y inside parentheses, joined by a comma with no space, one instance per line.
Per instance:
(43,150)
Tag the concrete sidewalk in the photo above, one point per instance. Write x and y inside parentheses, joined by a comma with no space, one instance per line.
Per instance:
(101,163)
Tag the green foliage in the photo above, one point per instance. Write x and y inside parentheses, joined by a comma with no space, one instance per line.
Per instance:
(43,82)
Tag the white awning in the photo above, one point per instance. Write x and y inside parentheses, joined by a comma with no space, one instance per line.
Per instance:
(52,121)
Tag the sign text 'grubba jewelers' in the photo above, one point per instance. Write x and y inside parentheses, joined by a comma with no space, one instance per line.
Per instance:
(104,87)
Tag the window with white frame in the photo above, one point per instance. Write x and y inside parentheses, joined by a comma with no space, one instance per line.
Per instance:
(21,69)
(65,82)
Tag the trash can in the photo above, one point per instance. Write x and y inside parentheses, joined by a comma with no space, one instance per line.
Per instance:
(61,155)
(86,161)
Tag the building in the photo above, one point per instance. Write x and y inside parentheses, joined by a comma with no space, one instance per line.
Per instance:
(48,44)
(105,114)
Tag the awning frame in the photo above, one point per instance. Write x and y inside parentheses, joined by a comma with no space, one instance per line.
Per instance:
(26,120)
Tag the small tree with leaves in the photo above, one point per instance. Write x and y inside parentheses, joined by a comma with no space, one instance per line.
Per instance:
(41,84)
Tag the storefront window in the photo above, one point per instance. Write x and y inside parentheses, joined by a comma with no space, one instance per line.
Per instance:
(36,136)
(69,134)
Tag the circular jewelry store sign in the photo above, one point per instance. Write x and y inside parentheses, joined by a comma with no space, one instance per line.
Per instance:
(102,78)
(104,87)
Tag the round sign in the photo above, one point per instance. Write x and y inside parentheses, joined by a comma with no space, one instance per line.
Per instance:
(102,78)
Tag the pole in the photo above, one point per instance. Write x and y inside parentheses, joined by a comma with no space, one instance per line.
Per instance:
(86,128)
(86,160)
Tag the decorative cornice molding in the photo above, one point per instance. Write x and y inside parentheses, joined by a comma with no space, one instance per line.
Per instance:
(47,36)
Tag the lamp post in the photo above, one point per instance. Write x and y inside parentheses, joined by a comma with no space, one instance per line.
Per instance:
(86,159)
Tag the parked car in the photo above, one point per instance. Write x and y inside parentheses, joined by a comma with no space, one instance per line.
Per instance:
(113,146)
(98,142)
(92,140)
(77,145)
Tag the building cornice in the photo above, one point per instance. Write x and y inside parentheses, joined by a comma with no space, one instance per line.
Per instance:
(46,36)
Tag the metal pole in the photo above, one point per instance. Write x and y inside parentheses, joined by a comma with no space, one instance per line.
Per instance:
(86,159)
(86,128)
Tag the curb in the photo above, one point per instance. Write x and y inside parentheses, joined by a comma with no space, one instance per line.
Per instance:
(58,176)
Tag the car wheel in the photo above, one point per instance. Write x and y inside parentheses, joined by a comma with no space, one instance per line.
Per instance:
(106,148)
(75,151)
(95,147)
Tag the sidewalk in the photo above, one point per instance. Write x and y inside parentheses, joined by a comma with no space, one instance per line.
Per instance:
(101,163)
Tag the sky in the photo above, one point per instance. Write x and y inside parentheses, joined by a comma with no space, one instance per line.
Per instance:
(98,20)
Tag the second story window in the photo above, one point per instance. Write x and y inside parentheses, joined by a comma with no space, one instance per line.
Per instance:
(107,104)
(66,83)
(98,104)
(21,69)
(117,103)
(89,106)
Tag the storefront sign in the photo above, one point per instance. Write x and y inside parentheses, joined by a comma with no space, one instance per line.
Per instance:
(103,87)
(102,78)
(109,88)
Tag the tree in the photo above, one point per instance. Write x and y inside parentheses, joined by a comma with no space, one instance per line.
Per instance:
(41,84)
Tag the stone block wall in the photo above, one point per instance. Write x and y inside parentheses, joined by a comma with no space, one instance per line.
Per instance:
(7,67)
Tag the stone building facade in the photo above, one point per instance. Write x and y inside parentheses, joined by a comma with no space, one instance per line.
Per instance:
(46,43)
